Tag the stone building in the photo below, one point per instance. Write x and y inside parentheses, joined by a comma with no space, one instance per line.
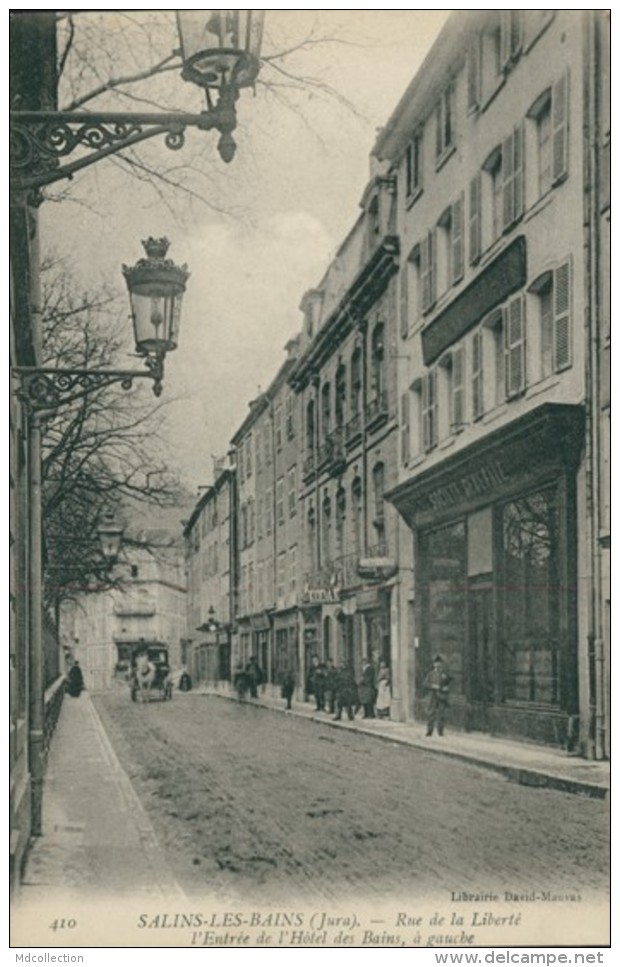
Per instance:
(494,168)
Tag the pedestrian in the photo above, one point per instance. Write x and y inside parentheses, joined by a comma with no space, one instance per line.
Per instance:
(240,682)
(437,684)
(346,692)
(366,689)
(384,691)
(185,681)
(75,680)
(287,686)
(315,682)
(331,677)
(254,675)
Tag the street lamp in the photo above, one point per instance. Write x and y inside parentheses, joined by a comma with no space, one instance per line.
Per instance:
(220,52)
(110,533)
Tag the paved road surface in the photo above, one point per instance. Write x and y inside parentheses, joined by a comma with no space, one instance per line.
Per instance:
(255,804)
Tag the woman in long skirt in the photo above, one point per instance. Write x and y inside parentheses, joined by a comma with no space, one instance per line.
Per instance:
(384,692)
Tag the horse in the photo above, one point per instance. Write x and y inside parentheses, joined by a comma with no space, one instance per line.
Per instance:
(144,676)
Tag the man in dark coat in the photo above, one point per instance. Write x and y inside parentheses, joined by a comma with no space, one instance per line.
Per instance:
(287,686)
(75,680)
(346,692)
(367,690)
(254,676)
(331,681)
(437,684)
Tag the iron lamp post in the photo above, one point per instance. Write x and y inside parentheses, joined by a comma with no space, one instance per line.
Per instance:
(110,533)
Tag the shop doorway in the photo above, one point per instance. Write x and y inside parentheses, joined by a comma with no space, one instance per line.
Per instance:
(480,676)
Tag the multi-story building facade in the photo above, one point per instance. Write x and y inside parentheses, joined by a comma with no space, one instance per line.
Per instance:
(488,148)
(210,551)
(145,604)
(346,380)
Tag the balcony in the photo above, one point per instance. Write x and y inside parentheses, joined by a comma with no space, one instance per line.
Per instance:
(331,454)
(377,564)
(377,411)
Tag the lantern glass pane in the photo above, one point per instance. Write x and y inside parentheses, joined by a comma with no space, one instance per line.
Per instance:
(156,321)
(220,46)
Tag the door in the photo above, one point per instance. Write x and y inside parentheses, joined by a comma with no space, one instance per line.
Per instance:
(480,687)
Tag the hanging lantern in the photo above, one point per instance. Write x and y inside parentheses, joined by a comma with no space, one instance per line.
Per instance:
(156,286)
(220,48)
(110,533)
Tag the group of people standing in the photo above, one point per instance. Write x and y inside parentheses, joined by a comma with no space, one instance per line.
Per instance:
(335,689)
(247,678)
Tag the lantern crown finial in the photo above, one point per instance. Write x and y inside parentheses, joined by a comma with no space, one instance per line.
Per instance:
(156,248)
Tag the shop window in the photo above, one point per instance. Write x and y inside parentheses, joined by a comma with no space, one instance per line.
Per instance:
(530,599)
(413,167)
(443,560)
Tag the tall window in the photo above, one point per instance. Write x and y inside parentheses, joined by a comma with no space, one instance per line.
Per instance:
(280,500)
(281,575)
(356,381)
(357,514)
(341,512)
(444,123)
(325,409)
(475,219)
(513,163)
(550,115)
(292,491)
(292,569)
(277,416)
(268,509)
(428,270)
(413,166)
(457,389)
(405,428)
(326,543)
(290,416)
(259,517)
(310,426)
(378,359)
(554,312)
(248,455)
(378,487)
(311,543)
(258,449)
(531,598)
(511,28)
(341,395)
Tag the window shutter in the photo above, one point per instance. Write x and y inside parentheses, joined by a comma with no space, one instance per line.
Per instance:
(514,343)
(559,120)
(477,375)
(439,129)
(404,429)
(458,246)
(507,182)
(475,225)
(516,31)
(561,317)
(425,272)
(457,388)
(432,267)
(505,38)
(473,74)
(429,409)
(518,172)
(404,300)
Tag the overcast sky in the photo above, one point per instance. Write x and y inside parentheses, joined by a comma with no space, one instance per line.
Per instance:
(287,201)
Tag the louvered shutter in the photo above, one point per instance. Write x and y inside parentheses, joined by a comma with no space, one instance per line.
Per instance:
(456,377)
(405,451)
(475,234)
(514,346)
(518,174)
(507,182)
(473,74)
(458,249)
(477,375)
(559,121)
(505,38)
(561,317)
(424,273)
(429,409)
(404,300)
(432,267)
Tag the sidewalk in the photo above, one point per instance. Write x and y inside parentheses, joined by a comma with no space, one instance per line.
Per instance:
(97,838)
(528,764)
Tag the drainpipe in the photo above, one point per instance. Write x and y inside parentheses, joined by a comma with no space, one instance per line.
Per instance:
(591,134)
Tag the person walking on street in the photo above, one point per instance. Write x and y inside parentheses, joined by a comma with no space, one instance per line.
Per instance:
(240,682)
(331,680)
(75,680)
(345,692)
(367,690)
(288,686)
(384,691)
(254,676)
(315,684)
(437,684)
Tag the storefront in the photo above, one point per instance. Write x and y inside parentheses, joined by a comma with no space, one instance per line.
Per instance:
(495,544)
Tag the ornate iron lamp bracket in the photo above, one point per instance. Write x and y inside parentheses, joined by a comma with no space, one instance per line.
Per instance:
(45,388)
(39,140)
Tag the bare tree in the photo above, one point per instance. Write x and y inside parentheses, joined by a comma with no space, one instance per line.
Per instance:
(101,452)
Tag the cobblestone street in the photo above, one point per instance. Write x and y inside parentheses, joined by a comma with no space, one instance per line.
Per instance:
(255,805)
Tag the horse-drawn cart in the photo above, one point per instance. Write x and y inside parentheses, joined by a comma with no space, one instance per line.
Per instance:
(150,673)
